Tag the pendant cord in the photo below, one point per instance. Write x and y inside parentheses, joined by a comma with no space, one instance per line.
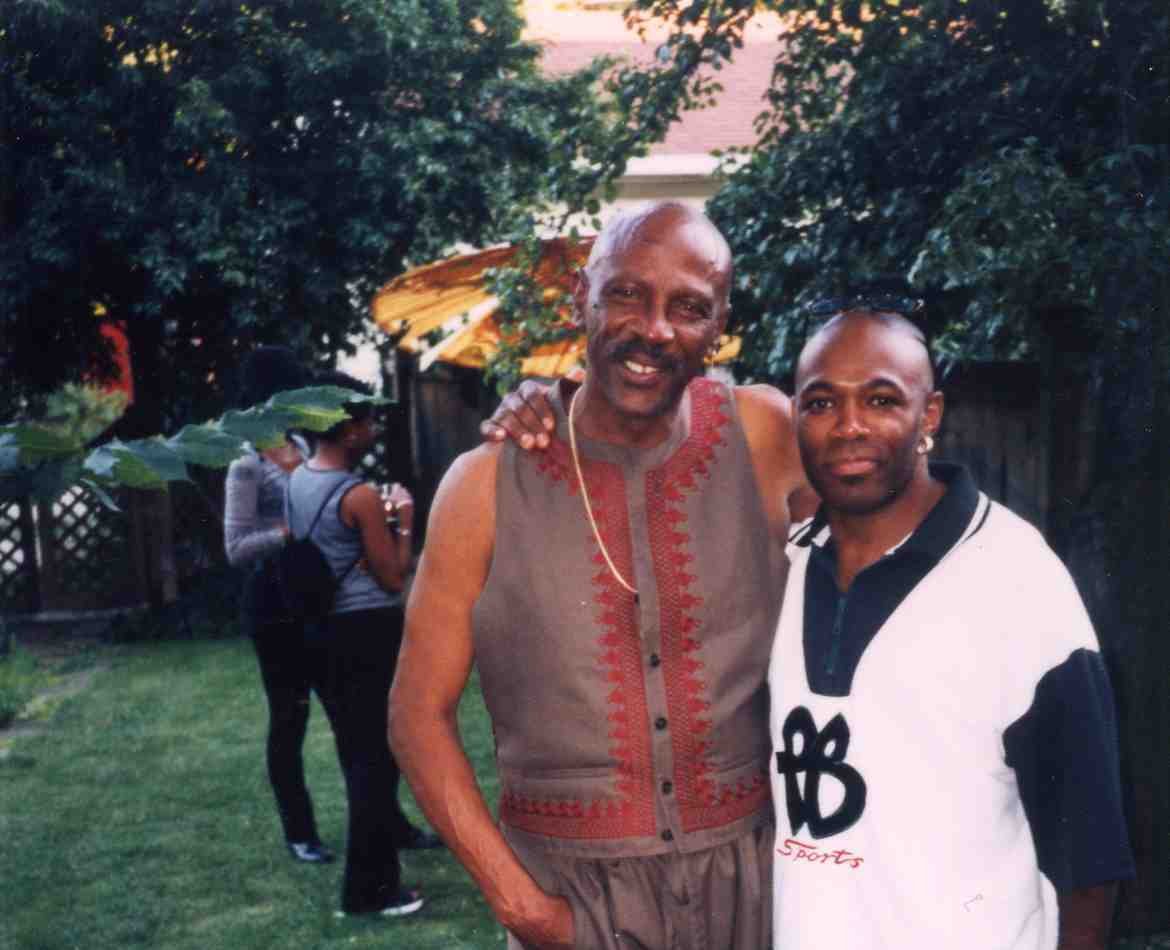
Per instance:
(589,508)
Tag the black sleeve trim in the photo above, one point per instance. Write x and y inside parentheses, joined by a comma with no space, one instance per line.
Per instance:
(1064,752)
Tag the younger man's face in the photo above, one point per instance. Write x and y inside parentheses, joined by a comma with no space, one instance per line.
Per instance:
(864,401)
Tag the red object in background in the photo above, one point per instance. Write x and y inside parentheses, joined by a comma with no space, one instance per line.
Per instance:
(124,379)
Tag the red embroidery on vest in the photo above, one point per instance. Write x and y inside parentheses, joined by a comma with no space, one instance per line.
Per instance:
(557,465)
(702,803)
(630,811)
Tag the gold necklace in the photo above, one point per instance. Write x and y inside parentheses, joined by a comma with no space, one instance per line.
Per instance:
(589,508)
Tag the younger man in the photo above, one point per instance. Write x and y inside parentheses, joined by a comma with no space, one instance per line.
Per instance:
(945,765)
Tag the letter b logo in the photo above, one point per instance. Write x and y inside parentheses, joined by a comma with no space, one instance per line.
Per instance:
(814,762)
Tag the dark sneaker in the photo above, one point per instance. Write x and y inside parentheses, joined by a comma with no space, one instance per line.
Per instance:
(405,902)
(419,840)
(311,852)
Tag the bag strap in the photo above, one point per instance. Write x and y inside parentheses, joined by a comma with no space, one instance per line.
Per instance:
(350,479)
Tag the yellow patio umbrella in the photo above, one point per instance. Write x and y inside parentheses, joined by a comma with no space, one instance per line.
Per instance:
(445,312)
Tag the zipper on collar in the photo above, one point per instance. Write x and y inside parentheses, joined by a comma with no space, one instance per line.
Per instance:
(834,653)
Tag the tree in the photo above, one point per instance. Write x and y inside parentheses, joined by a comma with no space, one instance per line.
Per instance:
(1011,159)
(214,175)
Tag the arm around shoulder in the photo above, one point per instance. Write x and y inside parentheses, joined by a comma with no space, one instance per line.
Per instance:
(769,425)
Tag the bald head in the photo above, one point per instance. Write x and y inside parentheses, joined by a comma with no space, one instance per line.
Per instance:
(652,301)
(894,323)
(867,414)
(661,221)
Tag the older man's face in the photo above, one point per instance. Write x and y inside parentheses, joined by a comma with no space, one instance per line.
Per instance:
(652,309)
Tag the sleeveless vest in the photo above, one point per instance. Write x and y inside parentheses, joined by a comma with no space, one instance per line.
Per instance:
(631,726)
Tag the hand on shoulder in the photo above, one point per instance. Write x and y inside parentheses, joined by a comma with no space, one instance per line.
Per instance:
(524,415)
(769,423)
(770,428)
(764,399)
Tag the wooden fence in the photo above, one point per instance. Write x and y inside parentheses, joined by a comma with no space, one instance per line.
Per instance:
(75,555)
(996,423)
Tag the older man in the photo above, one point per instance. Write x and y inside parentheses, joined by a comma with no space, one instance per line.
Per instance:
(945,769)
(620,629)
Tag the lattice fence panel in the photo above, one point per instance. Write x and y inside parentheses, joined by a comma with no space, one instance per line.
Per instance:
(87,552)
(18,567)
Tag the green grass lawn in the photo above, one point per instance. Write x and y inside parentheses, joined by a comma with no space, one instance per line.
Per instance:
(142,817)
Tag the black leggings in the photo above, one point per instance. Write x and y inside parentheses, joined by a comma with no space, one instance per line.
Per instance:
(284,670)
(352,663)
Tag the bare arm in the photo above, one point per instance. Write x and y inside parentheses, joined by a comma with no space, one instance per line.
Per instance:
(386,553)
(1086,914)
(433,668)
(771,435)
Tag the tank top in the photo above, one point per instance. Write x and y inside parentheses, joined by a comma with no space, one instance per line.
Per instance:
(341,544)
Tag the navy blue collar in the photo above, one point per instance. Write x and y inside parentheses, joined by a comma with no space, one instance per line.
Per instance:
(839,625)
(943,525)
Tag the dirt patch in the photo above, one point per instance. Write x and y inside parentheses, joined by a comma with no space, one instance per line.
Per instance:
(71,661)
(37,715)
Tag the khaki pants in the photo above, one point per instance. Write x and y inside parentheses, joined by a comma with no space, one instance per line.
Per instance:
(719,899)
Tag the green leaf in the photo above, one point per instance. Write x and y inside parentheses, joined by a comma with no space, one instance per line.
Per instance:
(208,445)
(143,463)
(37,443)
(263,428)
(100,492)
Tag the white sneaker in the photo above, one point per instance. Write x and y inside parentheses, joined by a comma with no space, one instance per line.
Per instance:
(405,902)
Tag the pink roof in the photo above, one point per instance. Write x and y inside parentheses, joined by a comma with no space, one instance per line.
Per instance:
(745,81)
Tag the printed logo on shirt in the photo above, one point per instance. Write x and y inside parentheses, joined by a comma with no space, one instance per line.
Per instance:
(821,753)
(802,851)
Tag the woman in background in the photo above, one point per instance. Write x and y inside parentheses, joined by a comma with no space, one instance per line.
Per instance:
(254,530)
(367,541)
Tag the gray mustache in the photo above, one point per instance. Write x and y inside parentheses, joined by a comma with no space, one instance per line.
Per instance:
(653,355)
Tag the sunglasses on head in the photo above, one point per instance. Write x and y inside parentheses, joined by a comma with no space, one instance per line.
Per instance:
(876,303)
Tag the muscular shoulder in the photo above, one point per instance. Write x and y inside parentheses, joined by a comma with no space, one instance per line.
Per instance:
(462,524)
(770,431)
(466,495)
(473,474)
(768,424)
(764,405)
